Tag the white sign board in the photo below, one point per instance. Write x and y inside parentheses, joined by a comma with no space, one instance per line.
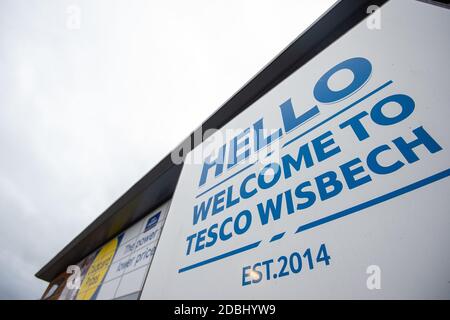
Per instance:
(129,267)
(334,184)
(118,269)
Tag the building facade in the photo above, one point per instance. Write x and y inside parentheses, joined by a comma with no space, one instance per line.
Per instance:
(337,173)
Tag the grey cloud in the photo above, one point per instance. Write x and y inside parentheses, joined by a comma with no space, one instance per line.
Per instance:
(85,113)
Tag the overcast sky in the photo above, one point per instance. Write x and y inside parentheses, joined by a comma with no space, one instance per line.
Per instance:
(94,93)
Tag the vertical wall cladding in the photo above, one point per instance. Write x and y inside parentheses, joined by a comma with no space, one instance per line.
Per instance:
(118,269)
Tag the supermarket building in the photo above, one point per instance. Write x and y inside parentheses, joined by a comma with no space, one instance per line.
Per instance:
(214,229)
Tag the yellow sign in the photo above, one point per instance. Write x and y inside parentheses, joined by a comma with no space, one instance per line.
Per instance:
(97,270)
